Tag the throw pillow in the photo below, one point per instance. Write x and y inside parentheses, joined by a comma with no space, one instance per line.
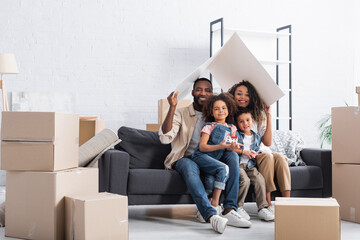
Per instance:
(144,148)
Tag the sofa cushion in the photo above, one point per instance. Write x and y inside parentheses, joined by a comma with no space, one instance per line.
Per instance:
(144,148)
(306,177)
(155,181)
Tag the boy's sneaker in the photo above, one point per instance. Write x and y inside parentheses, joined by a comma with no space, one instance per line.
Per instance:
(271,209)
(218,223)
(266,215)
(236,220)
(243,213)
(198,216)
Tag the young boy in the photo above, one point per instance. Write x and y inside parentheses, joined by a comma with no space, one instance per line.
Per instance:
(248,172)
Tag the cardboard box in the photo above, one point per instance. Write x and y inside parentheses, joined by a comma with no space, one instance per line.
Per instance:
(38,156)
(89,128)
(358,92)
(40,126)
(35,203)
(345,135)
(153,127)
(163,108)
(39,141)
(346,189)
(98,216)
(307,218)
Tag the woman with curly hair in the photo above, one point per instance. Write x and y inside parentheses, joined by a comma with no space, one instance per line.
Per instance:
(218,113)
(268,163)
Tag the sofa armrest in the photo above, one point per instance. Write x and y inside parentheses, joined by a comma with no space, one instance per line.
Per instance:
(114,171)
(321,158)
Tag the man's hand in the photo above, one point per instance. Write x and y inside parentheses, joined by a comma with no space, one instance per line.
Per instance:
(167,124)
(172,99)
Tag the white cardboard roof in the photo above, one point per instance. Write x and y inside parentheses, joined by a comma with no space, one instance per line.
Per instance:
(232,64)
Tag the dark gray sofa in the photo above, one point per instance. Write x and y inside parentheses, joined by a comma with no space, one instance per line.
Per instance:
(135,168)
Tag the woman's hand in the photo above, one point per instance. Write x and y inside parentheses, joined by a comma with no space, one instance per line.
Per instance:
(172,99)
(267,110)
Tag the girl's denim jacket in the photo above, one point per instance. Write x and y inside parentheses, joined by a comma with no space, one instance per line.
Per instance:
(255,146)
(216,137)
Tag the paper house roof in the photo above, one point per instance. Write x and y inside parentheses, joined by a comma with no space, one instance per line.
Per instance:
(231,64)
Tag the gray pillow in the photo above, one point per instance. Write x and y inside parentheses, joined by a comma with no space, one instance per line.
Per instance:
(144,148)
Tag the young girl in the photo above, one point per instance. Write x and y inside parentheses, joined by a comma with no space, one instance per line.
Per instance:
(268,163)
(218,113)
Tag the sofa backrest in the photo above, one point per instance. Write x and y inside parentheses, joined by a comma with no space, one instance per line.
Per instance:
(144,148)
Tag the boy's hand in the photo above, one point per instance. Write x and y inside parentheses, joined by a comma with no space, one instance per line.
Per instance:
(250,153)
(172,99)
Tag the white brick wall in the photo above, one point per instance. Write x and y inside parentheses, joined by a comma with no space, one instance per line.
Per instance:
(118,57)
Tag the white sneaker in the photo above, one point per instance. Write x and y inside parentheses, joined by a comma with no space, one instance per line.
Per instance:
(243,213)
(271,209)
(236,220)
(218,223)
(266,215)
(218,209)
(198,216)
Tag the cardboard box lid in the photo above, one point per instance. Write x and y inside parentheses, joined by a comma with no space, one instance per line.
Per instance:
(328,202)
(38,126)
(99,196)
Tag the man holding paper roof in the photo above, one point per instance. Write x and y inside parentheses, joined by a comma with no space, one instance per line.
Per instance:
(182,128)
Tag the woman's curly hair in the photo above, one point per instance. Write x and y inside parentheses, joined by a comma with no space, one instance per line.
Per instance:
(255,103)
(229,101)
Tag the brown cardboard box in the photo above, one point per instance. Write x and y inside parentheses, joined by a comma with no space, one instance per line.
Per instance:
(345,135)
(307,218)
(36,156)
(163,107)
(39,126)
(39,141)
(98,216)
(153,127)
(358,92)
(89,128)
(346,189)
(35,203)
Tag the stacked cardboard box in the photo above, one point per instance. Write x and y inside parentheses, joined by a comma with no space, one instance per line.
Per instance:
(307,218)
(346,161)
(89,127)
(163,108)
(40,154)
(39,141)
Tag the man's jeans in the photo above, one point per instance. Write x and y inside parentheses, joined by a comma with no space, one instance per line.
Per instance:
(190,172)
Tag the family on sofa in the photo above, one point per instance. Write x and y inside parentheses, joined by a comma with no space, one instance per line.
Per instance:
(228,167)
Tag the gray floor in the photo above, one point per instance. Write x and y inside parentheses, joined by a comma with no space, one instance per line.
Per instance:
(178,222)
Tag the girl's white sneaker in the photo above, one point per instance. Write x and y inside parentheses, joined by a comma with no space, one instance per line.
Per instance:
(218,223)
